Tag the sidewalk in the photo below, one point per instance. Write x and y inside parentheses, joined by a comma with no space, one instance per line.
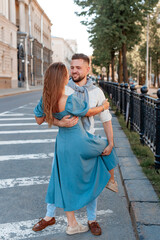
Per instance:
(14,91)
(143,203)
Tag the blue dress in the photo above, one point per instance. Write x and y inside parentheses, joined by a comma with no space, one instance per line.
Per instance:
(80,172)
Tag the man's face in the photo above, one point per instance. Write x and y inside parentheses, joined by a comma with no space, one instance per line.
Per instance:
(79,69)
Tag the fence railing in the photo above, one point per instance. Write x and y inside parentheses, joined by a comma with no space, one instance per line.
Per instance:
(141,112)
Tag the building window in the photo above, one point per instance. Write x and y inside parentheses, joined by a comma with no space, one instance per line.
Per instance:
(3,63)
(2,34)
(11,65)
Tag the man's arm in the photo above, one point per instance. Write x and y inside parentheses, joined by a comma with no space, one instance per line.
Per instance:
(109,133)
(66,121)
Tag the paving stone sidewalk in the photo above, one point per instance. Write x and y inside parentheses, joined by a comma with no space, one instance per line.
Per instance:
(143,203)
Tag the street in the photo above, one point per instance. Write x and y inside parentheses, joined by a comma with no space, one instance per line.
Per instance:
(26,153)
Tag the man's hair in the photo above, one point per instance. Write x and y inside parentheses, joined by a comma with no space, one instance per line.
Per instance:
(81,56)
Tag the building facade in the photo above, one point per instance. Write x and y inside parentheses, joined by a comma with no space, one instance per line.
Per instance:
(63,50)
(33,41)
(8,45)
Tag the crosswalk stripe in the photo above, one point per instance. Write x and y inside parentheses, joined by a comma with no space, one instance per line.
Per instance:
(15,114)
(21,182)
(27,141)
(36,131)
(26,124)
(16,119)
(26,156)
(23,229)
(19,124)
(29,131)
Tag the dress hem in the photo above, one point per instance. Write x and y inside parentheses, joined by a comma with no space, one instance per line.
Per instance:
(83,205)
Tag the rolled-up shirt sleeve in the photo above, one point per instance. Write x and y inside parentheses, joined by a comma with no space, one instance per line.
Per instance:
(105,116)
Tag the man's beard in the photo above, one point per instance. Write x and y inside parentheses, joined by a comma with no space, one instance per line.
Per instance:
(79,79)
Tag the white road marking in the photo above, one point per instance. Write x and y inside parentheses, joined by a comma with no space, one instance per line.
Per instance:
(23,230)
(26,156)
(27,141)
(29,131)
(20,124)
(21,182)
(36,131)
(16,119)
(3,113)
(97,121)
(97,129)
(26,124)
(31,108)
(15,114)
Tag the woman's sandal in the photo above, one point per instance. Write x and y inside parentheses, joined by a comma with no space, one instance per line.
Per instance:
(113,186)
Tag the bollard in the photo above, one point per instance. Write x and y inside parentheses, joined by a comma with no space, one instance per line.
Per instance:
(144,91)
(131,112)
(157,152)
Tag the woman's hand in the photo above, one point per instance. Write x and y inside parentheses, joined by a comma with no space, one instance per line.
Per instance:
(40,120)
(107,150)
(105,104)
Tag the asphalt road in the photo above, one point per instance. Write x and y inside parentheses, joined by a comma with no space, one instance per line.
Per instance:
(26,153)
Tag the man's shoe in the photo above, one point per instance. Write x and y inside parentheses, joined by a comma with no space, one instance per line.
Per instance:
(95,228)
(42,224)
(79,228)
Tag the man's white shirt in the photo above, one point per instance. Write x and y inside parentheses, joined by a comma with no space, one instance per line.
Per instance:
(96,98)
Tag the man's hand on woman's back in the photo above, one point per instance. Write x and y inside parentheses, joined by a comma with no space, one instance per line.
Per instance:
(66,121)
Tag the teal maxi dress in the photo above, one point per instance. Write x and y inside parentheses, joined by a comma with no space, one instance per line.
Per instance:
(80,172)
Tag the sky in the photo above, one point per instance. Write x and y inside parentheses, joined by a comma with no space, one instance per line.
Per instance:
(65,22)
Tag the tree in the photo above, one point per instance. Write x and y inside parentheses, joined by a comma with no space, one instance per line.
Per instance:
(114,25)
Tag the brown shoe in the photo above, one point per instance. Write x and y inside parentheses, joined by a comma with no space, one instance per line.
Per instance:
(95,228)
(43,224)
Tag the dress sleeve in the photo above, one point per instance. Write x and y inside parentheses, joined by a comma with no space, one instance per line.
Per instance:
(38,111)
(76,106)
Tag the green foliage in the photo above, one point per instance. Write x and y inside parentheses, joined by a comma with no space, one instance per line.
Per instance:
(112,23)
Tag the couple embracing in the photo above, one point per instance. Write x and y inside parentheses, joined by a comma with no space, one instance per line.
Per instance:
(83,163)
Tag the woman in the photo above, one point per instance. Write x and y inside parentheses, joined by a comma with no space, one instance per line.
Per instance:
(80,172)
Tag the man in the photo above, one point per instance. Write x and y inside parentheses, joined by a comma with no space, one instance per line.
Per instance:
(83,88)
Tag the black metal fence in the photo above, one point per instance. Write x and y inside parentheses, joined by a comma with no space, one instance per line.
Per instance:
(141,112)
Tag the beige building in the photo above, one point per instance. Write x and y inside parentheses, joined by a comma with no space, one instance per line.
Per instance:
(34,38)
(73,44)
(8,45)
(25,31)
(63,50)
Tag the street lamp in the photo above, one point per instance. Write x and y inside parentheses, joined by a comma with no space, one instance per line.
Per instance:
(26,63)
(31,44)
(147,51)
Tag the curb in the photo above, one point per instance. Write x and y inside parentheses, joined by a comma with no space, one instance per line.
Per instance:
(142,200)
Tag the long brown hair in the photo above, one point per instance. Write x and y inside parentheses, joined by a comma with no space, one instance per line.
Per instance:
(54,82)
